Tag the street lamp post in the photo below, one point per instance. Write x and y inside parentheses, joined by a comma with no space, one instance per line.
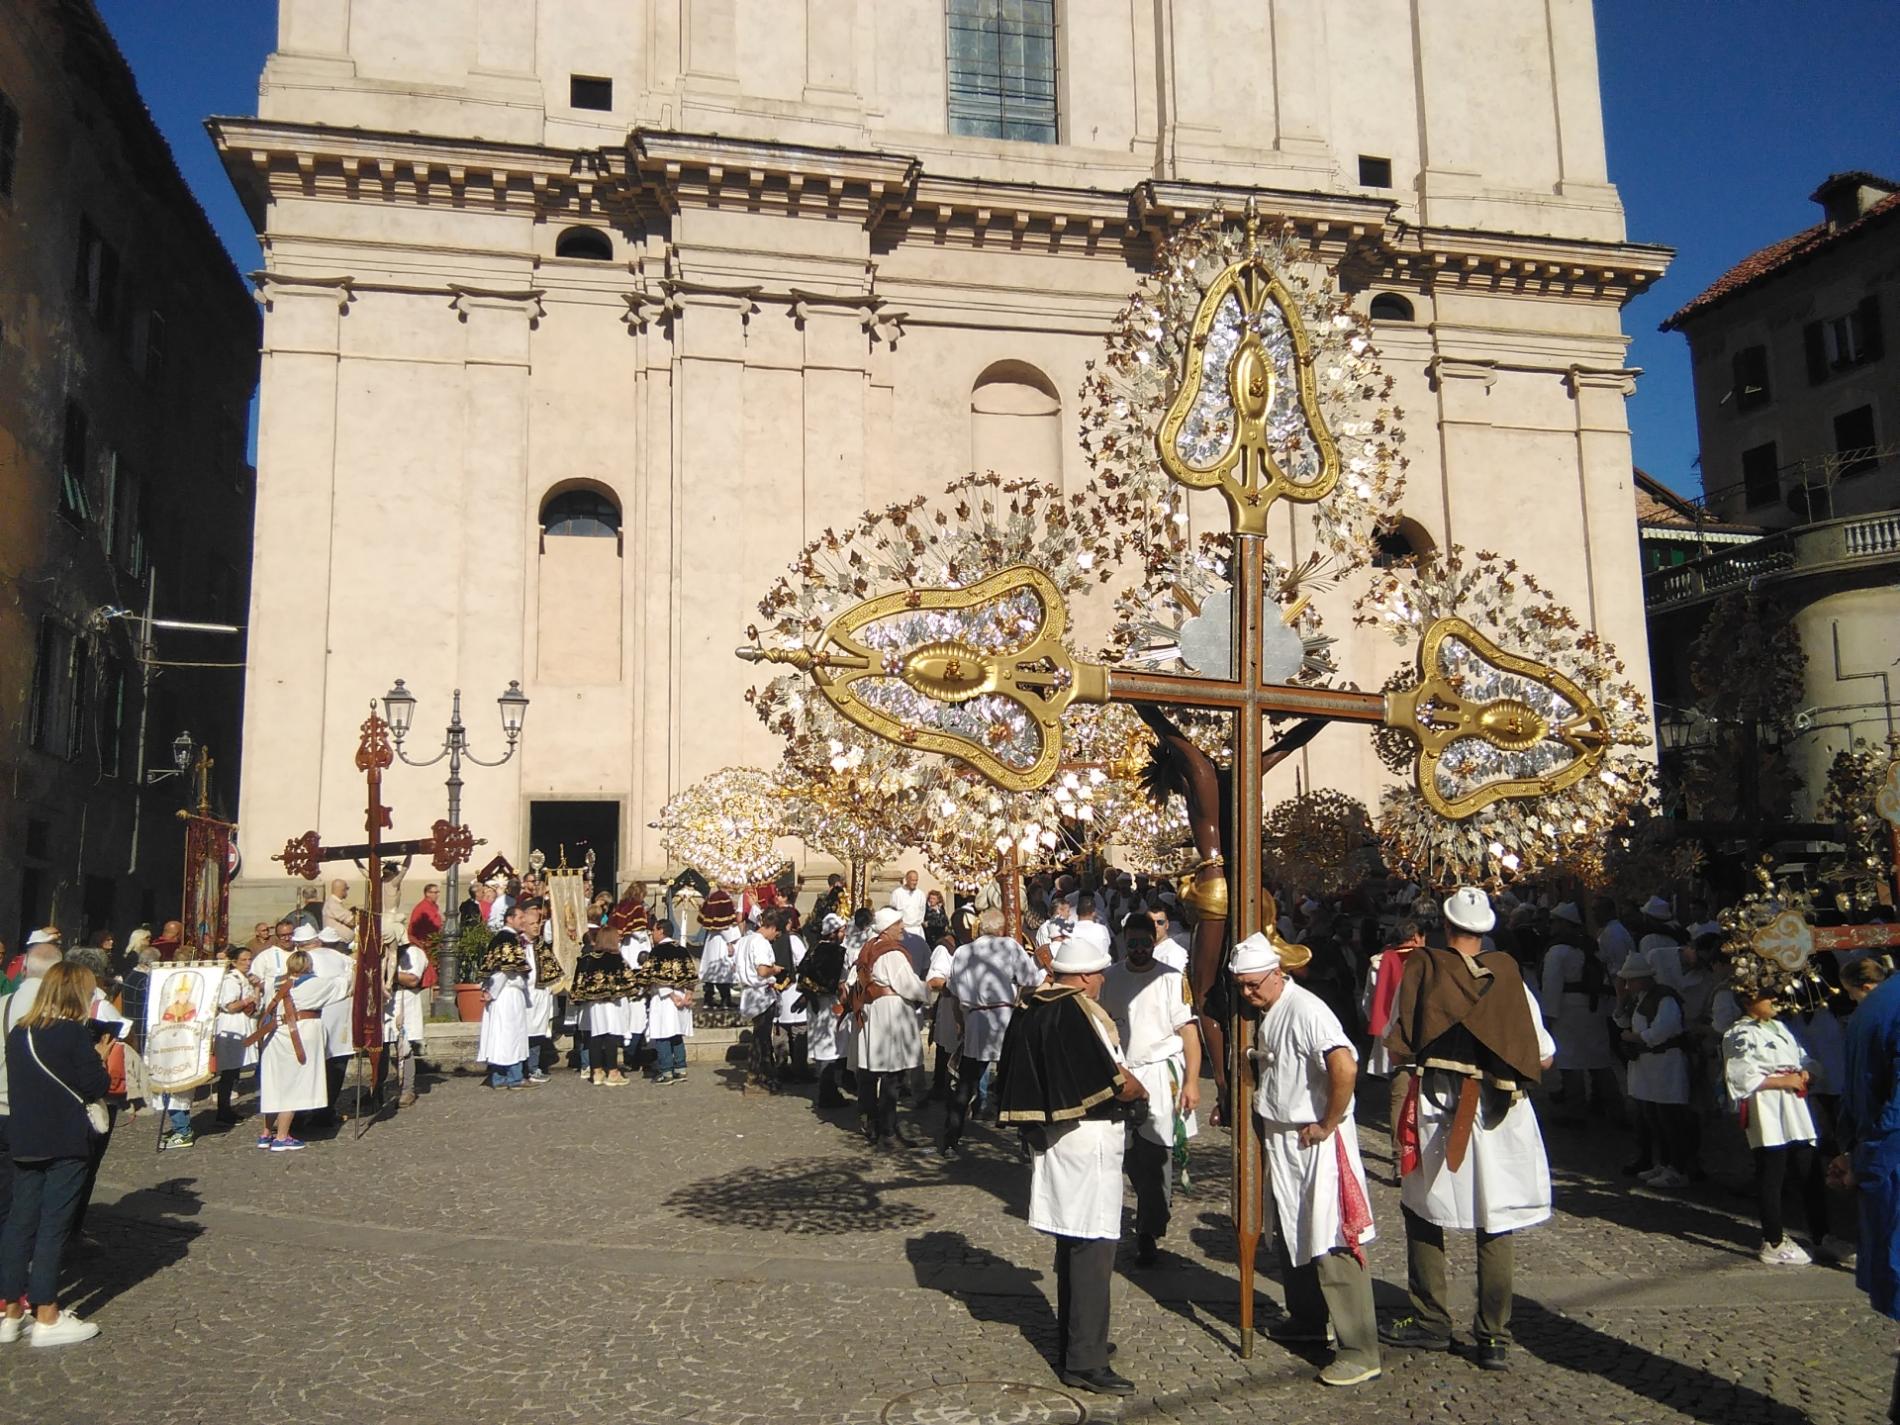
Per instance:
(399,707)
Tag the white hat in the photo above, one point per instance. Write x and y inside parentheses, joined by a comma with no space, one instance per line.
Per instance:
(303,935)
(1567,910)
(1078,957)
(885,918)
(832,921)
(1707,927)
(42,937)
(1636,966)
(1658,908)
(1254,956)
(1469,909)
(330,935)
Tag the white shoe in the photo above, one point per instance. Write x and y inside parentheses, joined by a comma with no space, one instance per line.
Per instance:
(1839,1250)
(1785,1253)
(12,1328)
(1668,1178)
(1650,1174)
(67,1330)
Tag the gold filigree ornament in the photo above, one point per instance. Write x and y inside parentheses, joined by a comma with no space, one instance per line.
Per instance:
(1246,420)
(1887,799)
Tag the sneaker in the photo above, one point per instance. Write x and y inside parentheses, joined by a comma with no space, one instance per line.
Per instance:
(65,1331)
(1837,1250)
(1649,1174)
(1492,1353)
(264,1140)
(1785,1253)
(408,1100)
(1344,1372)
(1409,1333)
(12,1328)
(177,1140)
(1668,1178)
(287,1145)
(617,1078)
(537,1078)
(513,1088)
(596,1077)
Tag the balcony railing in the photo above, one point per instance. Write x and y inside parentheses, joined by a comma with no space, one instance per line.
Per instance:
(1807,549)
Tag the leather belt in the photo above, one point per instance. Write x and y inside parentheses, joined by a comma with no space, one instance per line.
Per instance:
(1462,1118)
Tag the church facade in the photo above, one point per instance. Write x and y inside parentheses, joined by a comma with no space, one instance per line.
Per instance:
(582,316)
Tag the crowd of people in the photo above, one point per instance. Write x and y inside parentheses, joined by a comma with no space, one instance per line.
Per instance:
(1084,1034)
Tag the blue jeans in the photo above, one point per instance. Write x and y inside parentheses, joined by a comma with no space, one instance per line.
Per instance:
(181,1120)
(46,1198)
(671,1055)
(630,1054)
(507,1075)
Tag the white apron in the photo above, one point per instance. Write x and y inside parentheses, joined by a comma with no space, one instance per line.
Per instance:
(504,1033)
(231,1030)
(826,1042)
(1075,1185)
(334,964)
(286,1086)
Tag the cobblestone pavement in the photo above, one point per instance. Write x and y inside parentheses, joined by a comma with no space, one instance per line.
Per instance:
(696,1254)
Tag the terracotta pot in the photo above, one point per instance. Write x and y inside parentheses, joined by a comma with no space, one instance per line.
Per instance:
(468,1003)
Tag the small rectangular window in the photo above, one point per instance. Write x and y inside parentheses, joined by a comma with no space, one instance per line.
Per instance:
(1761,475)
(109,503)
(586,91)
(9,144)
(73,505)
(1841,343)
(1750,375)
(1002,69)
(1854,442)
(112,724)
(152,363)
(53,676)
(1374,172)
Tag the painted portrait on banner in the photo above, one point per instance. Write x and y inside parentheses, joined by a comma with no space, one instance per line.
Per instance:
(180,1018)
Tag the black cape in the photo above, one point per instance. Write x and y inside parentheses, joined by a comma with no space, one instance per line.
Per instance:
(1054,1066)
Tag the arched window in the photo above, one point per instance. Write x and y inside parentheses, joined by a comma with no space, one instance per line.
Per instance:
(589,243)
(1391,307)
(1016,422)
(1409,540)
(579,587)
(585,511)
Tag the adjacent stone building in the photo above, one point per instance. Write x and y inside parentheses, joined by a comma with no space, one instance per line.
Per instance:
(1798,407)
(128,355)
(582,316)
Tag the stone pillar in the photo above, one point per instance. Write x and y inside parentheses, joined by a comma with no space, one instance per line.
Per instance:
(1611,556)
(831,45)
(1302,102)
(287,658)
(709,44)
(1582,166)
(496,517)
(835,359)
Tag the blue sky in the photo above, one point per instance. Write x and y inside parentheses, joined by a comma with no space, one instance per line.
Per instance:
(1721,117)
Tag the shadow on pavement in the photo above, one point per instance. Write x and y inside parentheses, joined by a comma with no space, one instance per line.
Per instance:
(138,1236)
(802,1197)
(1010,1295)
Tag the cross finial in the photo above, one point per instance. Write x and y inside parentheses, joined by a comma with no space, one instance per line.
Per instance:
(1253,219)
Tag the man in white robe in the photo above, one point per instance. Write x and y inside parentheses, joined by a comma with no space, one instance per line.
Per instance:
(986,978)
(910,900)
(1153,1011)
(887,1046)
(1468,1031)
(1309,1144)
(755,976)
(291,1057)
(329,961)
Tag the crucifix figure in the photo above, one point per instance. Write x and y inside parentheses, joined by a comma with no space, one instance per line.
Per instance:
(304,856)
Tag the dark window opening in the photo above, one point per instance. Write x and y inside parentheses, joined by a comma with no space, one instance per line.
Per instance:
(589,243)
(1404,541)
(1390,307)
(586,91)
(112,723)
(1374,172)
(9,144)
(1842,343)
(55,690)
(1749,373)
(1761,475)
(73,507)
(1002,69)
(584,513)
(1854,441)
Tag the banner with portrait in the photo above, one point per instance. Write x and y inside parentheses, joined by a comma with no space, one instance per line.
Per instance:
(181,1016)
(567,908)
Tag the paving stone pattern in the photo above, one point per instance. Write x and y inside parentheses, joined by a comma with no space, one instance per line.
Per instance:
(702,1255)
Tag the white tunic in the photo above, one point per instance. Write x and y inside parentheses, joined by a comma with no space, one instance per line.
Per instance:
(632,1016)
(1075,1183)
(405,1018)
(715,956)
(889,1040)
(286,1086)
(540,998)
(233,1027)
(754,968)
(1503,1183)
(1664,1077)
(1582,1033)
(329,964)
(986,976)
(1294,1088)
(1753,1050)
(504,1033)
(911,904)
(268,967)
(1150,1008)
(1614,943)
(827,1042)
(944,1034)
(791,1006)
(669,1014)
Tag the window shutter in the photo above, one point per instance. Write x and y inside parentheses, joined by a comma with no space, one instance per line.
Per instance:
(1869,314)
(1817,353)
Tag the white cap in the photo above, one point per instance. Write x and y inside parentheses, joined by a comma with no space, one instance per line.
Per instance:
(1254,956)
(1707,927)
(1078,957)
(885,918)
(41,937)
(303,935)
(1567,911)
(330,935)
(1636,966)
(1658,908)
(1469,909)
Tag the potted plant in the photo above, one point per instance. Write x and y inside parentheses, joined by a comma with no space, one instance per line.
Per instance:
(471,948)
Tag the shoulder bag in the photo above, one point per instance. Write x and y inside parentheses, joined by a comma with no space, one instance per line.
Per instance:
(97,1119)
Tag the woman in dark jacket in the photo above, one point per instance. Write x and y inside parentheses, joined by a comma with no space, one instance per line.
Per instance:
(53,1070)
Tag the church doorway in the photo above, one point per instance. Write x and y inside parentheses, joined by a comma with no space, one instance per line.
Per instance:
(577,828)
